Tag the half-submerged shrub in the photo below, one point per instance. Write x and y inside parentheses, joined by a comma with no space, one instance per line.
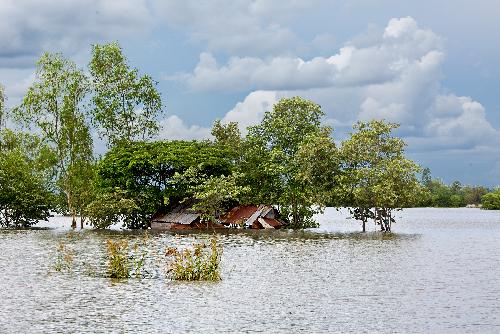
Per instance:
(119,264)
(200,263)
(123,261)
(64,258)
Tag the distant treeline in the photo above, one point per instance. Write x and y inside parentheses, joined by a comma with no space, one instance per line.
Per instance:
(453,195)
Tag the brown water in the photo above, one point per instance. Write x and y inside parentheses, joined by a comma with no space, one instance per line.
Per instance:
(438,273)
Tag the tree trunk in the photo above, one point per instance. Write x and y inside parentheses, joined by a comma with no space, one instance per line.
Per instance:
(364,226)
(71,210)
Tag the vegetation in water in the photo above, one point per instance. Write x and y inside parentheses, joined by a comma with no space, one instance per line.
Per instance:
(199,263)
(491,201)
(64,258)
(290,159)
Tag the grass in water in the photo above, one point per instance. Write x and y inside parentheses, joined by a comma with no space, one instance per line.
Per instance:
(119,265)
(123,261)
(199,263)
(64,258)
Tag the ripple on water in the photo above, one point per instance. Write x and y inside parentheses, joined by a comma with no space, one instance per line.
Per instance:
(438,273)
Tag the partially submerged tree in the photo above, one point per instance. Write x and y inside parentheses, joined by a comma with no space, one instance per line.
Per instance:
(53,105)
(491,201)
(24,195)
(125,104)
(272,160)
(377,179)
(144,172)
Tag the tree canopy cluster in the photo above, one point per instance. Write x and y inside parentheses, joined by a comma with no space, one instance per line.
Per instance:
(289,159)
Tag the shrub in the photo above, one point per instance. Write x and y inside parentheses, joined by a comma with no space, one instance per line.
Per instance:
(119,264)
(64,259)
(491,201)
(200,263)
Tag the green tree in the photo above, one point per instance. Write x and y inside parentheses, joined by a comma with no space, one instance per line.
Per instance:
(53,105)
(228,137)
(213,195)
(376,177)
(2,106)
(491,201)
(125,104)
(111,207)
(25,197)
(271,162)
(144,172)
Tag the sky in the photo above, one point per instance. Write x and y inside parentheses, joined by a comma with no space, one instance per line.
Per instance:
(431,66)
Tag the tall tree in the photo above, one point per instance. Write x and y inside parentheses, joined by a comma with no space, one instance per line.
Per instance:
(53,105)
(2,106)
(271,162)
(376,177)
(125,104)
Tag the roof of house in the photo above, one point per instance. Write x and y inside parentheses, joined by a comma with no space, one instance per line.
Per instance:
(249,214)
(181,213)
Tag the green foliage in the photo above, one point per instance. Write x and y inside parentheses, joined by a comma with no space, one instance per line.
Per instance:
(272,157)
(53,106)
(491,201)
(2,106)
(144,172)
(212,194)
(113,207)
(453,195)
(375,174)
(65,257)
(125,104)
(118,262)
(24,196)
(201,263)
(228,137)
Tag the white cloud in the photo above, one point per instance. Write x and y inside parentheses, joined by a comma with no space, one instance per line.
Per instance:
(401,47)
(28,27)
(252,109)
(174,128)
(396,77)
(240,27)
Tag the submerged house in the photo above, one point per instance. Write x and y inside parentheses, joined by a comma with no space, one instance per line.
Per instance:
(252,216)
(180,217)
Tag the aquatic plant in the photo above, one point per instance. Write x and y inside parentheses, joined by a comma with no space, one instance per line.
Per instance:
(118,262)
(64,258)
(199,263)
(124,261)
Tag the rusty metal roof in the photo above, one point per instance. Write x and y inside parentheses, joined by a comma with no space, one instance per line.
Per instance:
(248,214)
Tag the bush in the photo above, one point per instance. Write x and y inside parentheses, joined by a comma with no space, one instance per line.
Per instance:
(119,264)
(491,201)
(201,263)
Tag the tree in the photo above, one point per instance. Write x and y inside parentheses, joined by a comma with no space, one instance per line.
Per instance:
(25,197)
(491,201)
(228,137)
(212,194)
(110,208)
(376,177)
(125,104)
(2,106)
(53,104)
(271,162)
(144,172)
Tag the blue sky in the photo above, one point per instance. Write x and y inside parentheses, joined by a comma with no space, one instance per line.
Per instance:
(432,66)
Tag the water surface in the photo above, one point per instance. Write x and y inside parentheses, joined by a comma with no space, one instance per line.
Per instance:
(439,272)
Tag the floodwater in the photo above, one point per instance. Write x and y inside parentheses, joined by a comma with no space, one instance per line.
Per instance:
(437,273)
